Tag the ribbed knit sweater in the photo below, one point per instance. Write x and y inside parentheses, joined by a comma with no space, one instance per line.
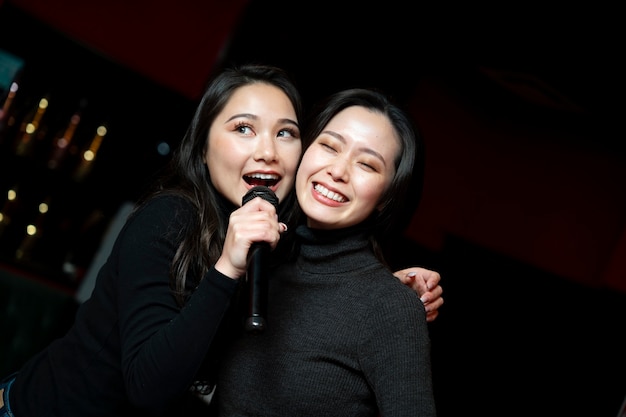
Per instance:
(344,337)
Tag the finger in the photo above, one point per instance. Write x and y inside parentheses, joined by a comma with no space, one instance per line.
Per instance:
(432,279)
(432,310)
(433,294)
(432,316)
(416,283)
(403,276)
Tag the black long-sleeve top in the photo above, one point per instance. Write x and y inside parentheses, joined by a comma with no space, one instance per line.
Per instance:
(344,337)
(132,350)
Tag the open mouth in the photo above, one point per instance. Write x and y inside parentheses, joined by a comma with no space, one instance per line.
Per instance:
(267,180)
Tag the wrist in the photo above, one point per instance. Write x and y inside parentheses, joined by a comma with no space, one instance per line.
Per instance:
(227,269)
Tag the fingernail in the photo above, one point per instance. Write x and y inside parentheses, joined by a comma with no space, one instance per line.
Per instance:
(411,274)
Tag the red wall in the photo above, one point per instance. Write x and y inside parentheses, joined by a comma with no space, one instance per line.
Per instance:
(152,37)
(542,196)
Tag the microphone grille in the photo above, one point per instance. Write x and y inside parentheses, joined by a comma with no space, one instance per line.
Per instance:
(261,191)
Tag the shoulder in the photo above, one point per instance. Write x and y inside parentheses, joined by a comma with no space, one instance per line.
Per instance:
(392,309)
(387,293)
(161,215)
(166,203)
(166,207)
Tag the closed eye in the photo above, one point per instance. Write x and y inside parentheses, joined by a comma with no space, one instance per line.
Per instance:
(327,147)
(368,167)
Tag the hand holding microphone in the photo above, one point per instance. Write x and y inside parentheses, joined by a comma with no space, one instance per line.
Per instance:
(257,268)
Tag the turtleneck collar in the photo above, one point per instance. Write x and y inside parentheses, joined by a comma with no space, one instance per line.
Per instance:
(335,251)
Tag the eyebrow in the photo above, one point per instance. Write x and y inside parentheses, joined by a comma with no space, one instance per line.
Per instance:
(255,117)
(369,151)
(245,115)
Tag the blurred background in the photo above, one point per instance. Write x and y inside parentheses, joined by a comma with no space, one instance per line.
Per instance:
(523,208)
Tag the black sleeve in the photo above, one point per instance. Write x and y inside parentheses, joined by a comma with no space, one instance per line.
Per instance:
(163,346)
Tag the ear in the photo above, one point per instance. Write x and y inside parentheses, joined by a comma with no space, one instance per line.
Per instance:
(205,157)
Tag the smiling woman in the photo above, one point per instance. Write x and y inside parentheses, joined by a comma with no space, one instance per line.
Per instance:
(268,131)
(336,313)
(346,169)
(174,267)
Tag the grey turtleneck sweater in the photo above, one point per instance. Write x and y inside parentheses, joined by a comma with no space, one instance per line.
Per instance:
(344,338)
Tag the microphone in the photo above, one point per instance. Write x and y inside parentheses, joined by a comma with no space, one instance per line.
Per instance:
(256,274)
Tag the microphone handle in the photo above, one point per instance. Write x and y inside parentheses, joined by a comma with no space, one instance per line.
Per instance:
(257,268)
(257,287)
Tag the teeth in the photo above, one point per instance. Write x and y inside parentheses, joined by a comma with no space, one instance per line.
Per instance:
(329,194)
(263,176)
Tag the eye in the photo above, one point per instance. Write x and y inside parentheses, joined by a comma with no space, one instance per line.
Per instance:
(370,164)
(368,167)
(243,128)
(327,146)
(289,133)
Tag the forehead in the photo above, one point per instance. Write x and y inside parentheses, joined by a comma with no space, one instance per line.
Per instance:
(260,96)
(366,127)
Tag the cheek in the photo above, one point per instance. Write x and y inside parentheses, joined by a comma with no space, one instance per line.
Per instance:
(291,160)
(311,160)
(302,176)
(303,172)
(225,151)
(224,161)
(214,160)
(370,191)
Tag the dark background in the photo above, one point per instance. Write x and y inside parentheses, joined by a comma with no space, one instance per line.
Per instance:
(521,110)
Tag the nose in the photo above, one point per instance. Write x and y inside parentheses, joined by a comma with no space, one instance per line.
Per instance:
(338,170)
(265,149)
